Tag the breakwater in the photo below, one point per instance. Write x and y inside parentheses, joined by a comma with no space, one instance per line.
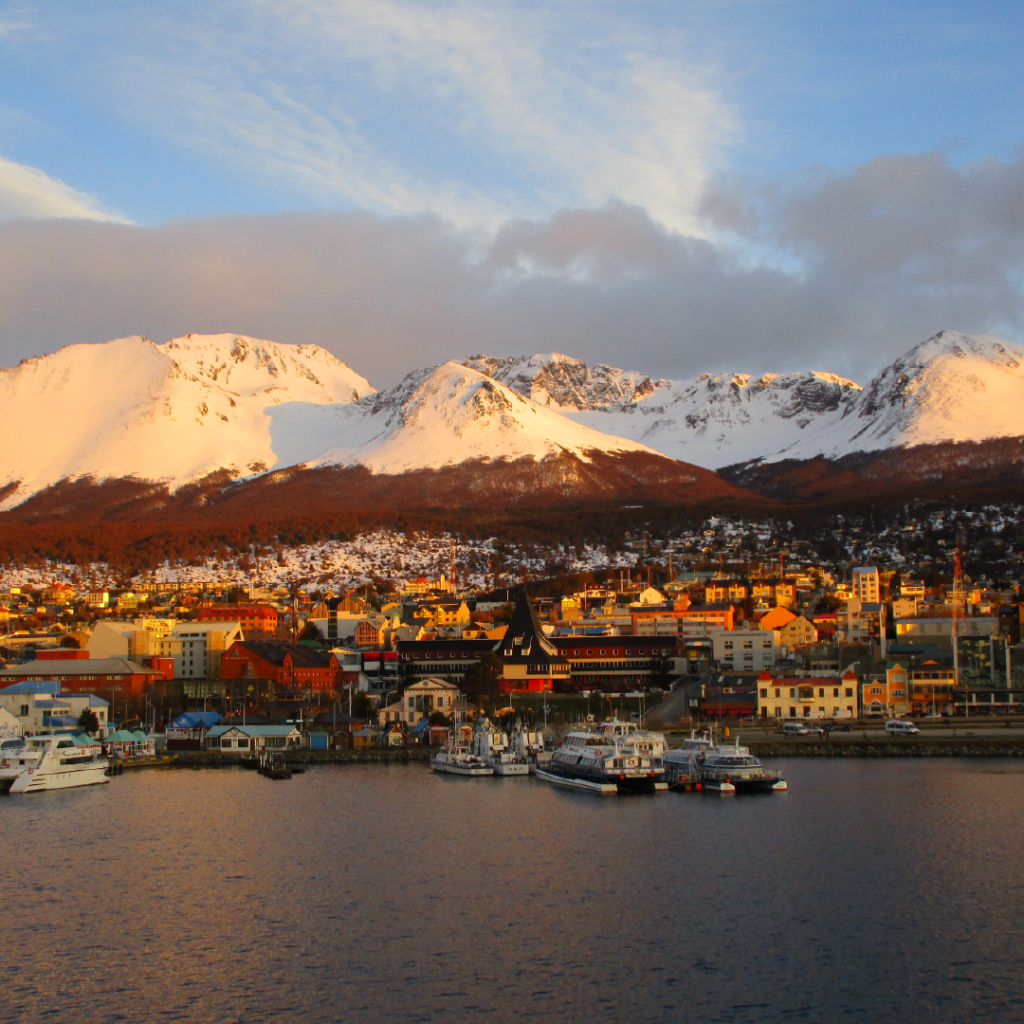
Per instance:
(944,747)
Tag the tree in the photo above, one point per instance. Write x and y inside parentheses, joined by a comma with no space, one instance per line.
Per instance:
(87,721)
(439,718)
(311,631)
(482,681)
(70,641)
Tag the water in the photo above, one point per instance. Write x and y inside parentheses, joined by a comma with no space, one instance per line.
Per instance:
(871,891)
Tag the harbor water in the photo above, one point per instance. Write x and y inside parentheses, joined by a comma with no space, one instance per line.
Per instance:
(871,891)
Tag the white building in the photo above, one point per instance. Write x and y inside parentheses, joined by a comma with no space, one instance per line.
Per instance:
(867,585)
(39,706)
(196,647)
(745,650)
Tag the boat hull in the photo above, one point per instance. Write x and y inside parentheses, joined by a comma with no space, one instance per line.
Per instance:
(511,769)
(461,769)
(637,784)
(34,781)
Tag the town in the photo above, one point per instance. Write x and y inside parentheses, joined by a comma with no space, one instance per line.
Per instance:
(729,619)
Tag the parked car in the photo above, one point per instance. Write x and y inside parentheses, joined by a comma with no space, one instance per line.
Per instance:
(899,728)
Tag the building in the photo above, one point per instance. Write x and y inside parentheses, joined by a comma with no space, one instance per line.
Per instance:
(419,701)
(449,658)
(748,650)
(42,705)
(860,623)
(807,696)
(867,585)
(938,631)
(798,632)
(619,663)
(257,621)
(195,648)
(530,660)
(886,695)
(11,726)
(188,731)
(289,666)
(242,739)
(117,680)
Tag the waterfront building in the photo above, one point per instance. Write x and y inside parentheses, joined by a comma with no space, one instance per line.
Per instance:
(530,661)
(44,706)
(289,666)
(419,701)
(807,696)
(252,738)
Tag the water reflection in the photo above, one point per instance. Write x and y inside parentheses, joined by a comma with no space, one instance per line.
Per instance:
(886,891)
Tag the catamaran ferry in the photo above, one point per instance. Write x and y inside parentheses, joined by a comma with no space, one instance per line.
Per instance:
(602,764)
(53,762)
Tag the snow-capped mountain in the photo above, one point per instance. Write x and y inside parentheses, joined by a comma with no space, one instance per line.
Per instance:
(952,387)
(442,417)
(713,420)
(168,412)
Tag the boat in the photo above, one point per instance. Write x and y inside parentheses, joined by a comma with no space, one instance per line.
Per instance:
(53,761)
(456,757)
(273,766)
(650,744)
(492,746)
(600,763)
(720,769)
(531,747)
(459,760)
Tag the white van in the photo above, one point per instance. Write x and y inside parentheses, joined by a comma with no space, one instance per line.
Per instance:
(901,728)
(795,729)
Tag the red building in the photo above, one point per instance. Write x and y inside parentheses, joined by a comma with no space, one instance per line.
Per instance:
(258,621)
(114,679)
(289,666)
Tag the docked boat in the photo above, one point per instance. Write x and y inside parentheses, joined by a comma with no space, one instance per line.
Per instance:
(531,747)
(459,760)
(643,741)
(721,769)
(602,764)
(492,746)
(53,762)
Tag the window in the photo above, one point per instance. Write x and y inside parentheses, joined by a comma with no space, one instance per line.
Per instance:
(849,691)
(835,692)
(764,692)
(821,691)
(778,694)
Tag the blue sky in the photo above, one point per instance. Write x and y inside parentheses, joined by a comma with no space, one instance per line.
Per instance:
(485,114)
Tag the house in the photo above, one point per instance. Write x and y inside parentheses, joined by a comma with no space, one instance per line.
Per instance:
(419,701)
(372,631)
(187,731)
(289,666)
(797,632)
(42,705)
(395,735)
(807,696)
(365,737)
(252,738)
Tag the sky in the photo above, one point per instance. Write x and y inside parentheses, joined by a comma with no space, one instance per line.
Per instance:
(674,187)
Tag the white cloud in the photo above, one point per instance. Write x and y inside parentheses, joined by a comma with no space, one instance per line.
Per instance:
(472,112)
(27,192)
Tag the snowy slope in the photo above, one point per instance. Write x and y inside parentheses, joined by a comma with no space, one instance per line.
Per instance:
(714,420)
(167,412)
(952,387)
(448,415)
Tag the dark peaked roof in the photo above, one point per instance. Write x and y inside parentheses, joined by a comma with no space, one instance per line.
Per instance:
(524,641)
(275,653)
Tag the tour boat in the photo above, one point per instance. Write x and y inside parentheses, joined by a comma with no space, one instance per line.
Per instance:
(601,764)
(651,744)
(53,762)
(721,769)
(492,746)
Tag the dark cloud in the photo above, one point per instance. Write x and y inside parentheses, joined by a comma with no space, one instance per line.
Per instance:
(885,256)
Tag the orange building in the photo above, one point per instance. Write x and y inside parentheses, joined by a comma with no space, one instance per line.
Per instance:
(258,621)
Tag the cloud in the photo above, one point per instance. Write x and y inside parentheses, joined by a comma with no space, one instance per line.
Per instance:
(472,112)
(31,193)
(882,258)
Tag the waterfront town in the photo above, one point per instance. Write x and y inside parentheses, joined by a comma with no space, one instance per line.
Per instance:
(725,623)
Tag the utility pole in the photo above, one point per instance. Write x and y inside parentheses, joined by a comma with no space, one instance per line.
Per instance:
(959,614)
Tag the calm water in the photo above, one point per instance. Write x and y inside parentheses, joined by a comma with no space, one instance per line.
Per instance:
(871,891)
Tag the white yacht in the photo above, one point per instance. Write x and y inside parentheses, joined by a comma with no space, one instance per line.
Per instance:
(53,762)
(492,746)
(456,758)
(602,764)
